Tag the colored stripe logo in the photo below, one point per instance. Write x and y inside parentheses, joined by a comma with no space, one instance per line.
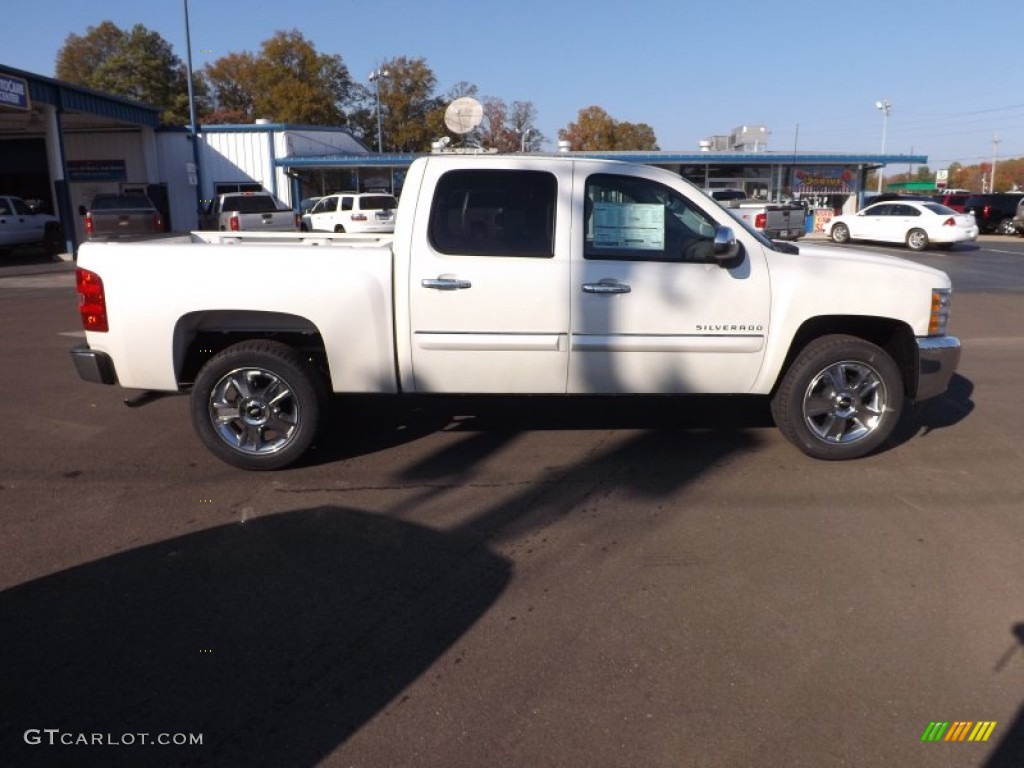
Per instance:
(959,730)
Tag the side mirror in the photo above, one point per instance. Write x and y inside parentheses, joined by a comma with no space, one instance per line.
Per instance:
(725,248)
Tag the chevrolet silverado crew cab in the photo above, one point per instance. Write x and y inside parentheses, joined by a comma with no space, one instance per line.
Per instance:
(517,275)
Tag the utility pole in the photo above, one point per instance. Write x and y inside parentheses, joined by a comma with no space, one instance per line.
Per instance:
(995,153)
(883,106)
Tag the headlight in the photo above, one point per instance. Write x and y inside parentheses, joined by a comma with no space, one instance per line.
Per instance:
(939,318)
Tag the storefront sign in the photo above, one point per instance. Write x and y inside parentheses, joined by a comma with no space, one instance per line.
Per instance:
(97,170)
(825,181)
(13,92)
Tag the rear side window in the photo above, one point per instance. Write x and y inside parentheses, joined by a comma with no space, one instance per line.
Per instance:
(377,203)
(494,213)
(346,203)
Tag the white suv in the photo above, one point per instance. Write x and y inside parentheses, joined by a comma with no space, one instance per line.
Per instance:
(352,212)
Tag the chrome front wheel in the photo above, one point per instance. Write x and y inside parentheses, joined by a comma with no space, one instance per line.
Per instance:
(840,399)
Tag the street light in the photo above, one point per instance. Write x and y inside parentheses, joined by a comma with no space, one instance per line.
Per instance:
(884,106)
(375,77)
(192,118)
(522,142)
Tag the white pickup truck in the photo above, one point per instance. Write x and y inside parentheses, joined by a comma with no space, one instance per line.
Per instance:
(249,212)
(20,225)
(517,275)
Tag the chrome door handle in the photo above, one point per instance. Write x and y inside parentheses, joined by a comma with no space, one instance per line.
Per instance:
(446,284)
(604,287)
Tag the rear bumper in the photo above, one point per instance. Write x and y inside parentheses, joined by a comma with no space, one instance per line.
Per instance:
(937,359)
(93,366)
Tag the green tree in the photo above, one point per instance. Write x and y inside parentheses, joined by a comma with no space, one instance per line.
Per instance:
(411,115)
(287,82)
(136,64)
(232,79)
(596,130)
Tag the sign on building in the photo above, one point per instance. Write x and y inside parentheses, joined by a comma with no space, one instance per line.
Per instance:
(13,92)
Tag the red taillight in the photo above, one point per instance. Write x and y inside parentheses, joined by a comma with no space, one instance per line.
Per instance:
(233,224)
(89,228)
(158,223)
(985,211)
(92,302)
(760,220)
(950,222)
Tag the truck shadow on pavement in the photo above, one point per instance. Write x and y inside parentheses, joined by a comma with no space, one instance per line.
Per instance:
(1009,751)
(945,410)
(366,424)
(274,638)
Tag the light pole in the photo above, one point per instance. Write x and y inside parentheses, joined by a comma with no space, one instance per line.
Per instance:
(375,77)
(192,118)
(522,141)
(884,106)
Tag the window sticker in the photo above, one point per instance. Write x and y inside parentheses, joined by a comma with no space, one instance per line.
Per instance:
(633,226)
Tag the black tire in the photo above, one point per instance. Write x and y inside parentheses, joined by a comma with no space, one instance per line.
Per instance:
(917,240)
(257,405)
(339,229)
(840,399)
(303,227)
(1006,227)
(840,233)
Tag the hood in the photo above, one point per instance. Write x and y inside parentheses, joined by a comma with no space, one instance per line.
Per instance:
(852,256)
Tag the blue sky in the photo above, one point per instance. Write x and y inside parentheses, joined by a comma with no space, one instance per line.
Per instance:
(951,71)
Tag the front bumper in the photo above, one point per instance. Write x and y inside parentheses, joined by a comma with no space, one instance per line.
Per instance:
(937,359)
(93,366)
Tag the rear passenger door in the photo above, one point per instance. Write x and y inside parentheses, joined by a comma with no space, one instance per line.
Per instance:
(489,281)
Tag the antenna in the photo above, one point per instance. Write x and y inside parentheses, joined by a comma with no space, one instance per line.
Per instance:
(463,115)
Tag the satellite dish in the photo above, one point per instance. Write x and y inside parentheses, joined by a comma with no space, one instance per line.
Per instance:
(463,115)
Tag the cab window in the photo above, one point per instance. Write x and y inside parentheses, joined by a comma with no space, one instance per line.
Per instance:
(494,213)
(630,218)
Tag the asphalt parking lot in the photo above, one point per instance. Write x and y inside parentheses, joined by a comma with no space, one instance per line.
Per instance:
(527,583)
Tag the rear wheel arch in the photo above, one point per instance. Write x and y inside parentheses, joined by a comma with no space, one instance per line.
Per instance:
(199,336)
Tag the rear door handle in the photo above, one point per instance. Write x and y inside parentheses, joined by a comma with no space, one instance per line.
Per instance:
(606,287)
(446,284)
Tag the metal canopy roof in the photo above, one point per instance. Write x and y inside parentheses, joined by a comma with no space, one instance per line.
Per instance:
(649,158)
(75,98)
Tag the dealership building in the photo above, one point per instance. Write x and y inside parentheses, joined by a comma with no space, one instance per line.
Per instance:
(61,144)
